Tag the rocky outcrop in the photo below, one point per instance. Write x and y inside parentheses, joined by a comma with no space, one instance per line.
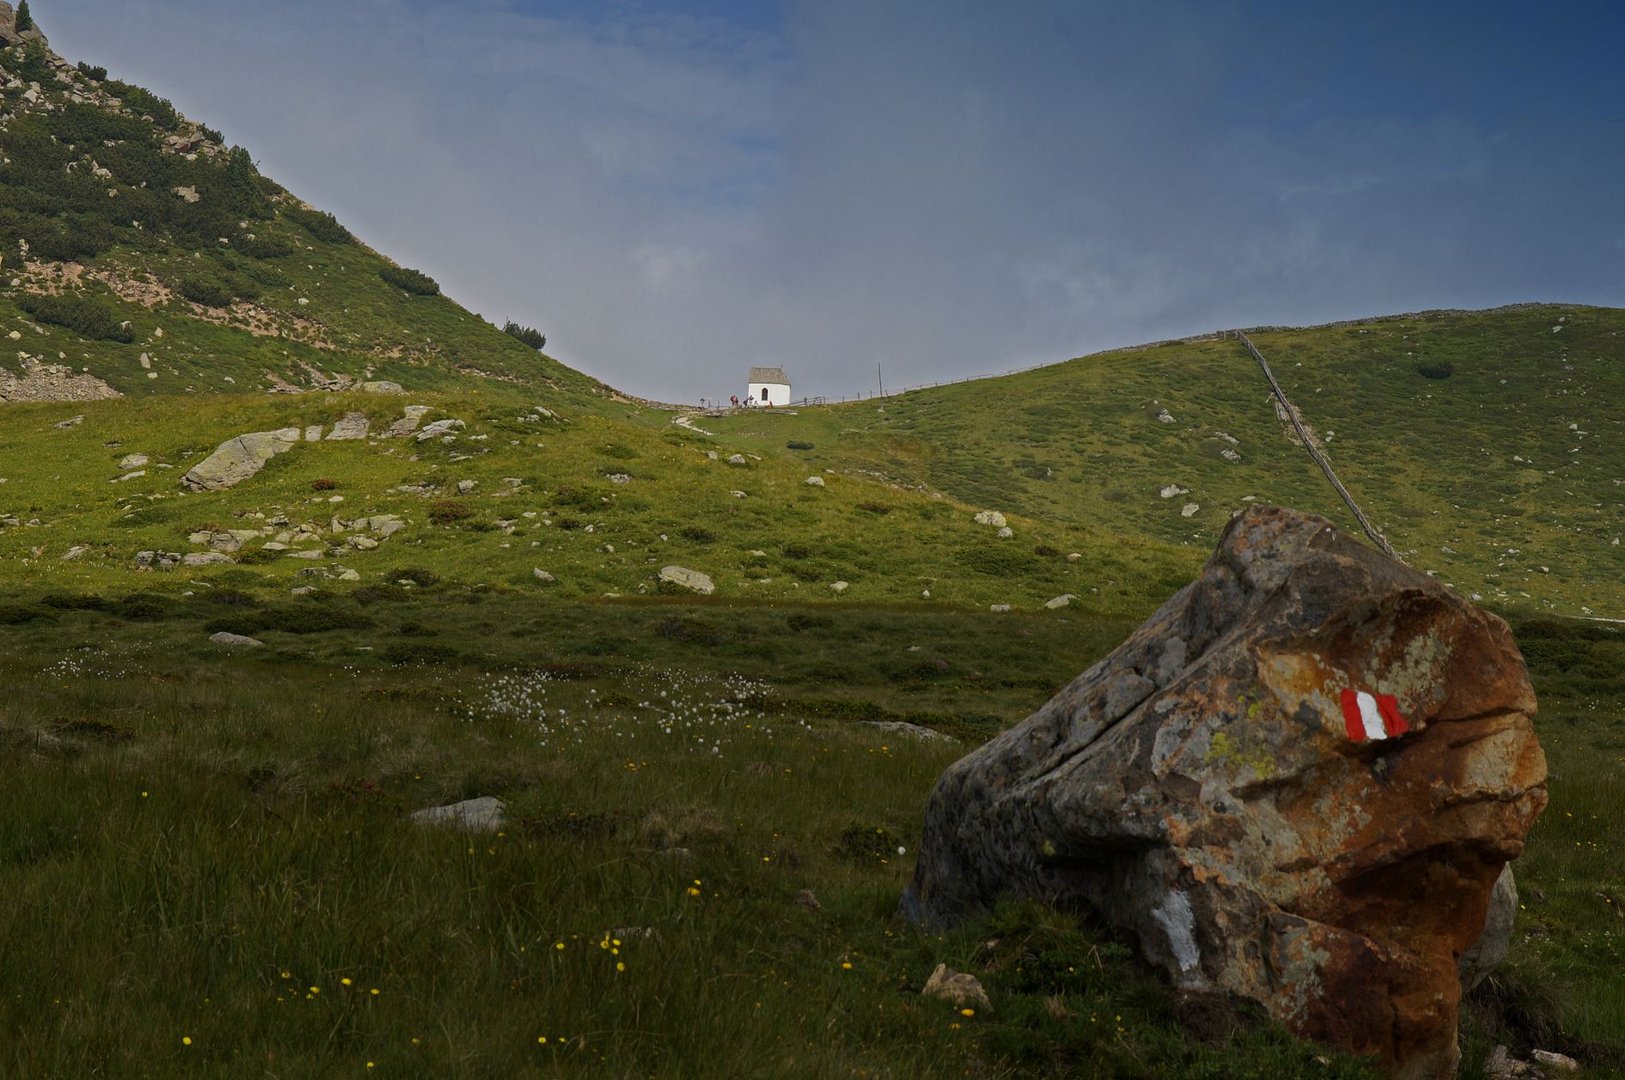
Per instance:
(238,459)
(1296,784)
(40,381)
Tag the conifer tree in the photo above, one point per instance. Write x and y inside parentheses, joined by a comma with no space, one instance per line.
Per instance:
(25,21)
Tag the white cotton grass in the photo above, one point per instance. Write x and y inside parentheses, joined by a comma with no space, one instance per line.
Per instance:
(699,714)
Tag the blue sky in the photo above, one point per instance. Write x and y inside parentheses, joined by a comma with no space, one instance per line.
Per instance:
(676,190)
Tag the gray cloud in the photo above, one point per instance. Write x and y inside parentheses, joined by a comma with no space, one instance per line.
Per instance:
(947,188)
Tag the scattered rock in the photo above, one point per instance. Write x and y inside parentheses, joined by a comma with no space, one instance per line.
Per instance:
(1552,1060)
(619,478)
(1074,556)
(1006,533)
(465,486)
(734,459)
(991,517)
(1189,510)
(313,433)
(382,386)
(1204,789)
(71,422)
(188,194)
(998,607)
(236,640)
(1172,490)
(75,552)
(814,481)
(157,560)
(128,476)
(839,586)
(1229,455)
(1165,417)
(238,459)
(1060,601)
(484,814)
(133,461)
(543,576)
(205,558)
(684,578)
(955,986)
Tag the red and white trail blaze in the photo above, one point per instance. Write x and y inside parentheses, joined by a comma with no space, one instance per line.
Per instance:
(1372,716)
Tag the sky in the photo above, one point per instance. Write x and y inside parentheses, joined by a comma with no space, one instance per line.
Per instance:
(917,190)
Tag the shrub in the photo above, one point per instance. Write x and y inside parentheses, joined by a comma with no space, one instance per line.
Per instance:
(796,444)
(95,74)
(210,292)
(413,281)
(1436,369)
(401,653)
(796,551)
(323,484)
(84,316)
(261,247)
(1046,551)
(449,511)
(699,534)
(321,225)
(530,336)
(874,508)
(994,560)
(416,575)
(25,20)
(291,620)
(146,103)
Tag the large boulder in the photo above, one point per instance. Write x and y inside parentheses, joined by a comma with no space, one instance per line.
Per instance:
(1295,784)
(238,459)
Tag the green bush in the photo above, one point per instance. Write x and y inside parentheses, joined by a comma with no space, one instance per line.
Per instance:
(261,247)
(96,74)
(417,575)
(145,103)
(1436,369)
(210,292)
(994,560)
(290,620)
(321,225)
(413,281)
(84,316)
(25,20)
(449,512)
(530,336)
(797,444)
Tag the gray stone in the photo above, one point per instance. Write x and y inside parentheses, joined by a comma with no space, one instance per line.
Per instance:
(205,558)
(737,459)
(992,518)
(408,423)
(964,991)
(839,586)
(684,578)
(238,459)
(313,433)
(440,429)
(1189,510)
(543,576)
(382,386)
(814,481)
(236,640)
(350,426)
(912,731)
(133,461)
(465,486)
(1486,954)
(1172,490)
(75,552)
(484,814)
(1060,601)
(1006,533)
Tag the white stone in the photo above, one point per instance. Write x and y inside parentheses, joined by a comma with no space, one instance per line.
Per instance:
(684,578)
(1188,510)
(991,517)
(1060,601)
(543,576)
(814,481)
(236,640)
(484,814)
(839,586)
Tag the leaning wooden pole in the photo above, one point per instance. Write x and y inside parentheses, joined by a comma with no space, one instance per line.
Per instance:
(1314,451)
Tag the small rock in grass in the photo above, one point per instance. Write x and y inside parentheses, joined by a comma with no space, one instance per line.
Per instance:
(465,486)
(999,607)
(1060,601)
(483,814)
(1173,489)
(133,461)
(737,459)
(1006,533)
(684,578)
(1189,510)
(814,481)
(1552,1060)
(74,552)
(1074,557)
(955,986)
(235,640)
(991,517)
(839,586)
(807,900)
(543,576)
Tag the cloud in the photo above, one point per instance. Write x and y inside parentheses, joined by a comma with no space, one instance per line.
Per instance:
(944,187)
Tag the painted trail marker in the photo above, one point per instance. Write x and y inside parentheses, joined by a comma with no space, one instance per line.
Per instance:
(1372,716)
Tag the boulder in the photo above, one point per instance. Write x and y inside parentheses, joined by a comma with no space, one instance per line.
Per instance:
(440,429)
(1296,784)
(684,578)
(238,459)
(814,481)
(955,986)
(235,640)
(412,416)
(382,386)
(483,814)
(133,461)
(205,558)
(1064,600)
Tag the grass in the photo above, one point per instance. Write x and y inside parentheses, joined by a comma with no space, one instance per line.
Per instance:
(195,839)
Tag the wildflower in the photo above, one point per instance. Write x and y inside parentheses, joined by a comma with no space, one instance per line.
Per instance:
(967,1012)
(186,1040)
(541,1040)
(620,965)
(374,991)
(846,965)
(344,981)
